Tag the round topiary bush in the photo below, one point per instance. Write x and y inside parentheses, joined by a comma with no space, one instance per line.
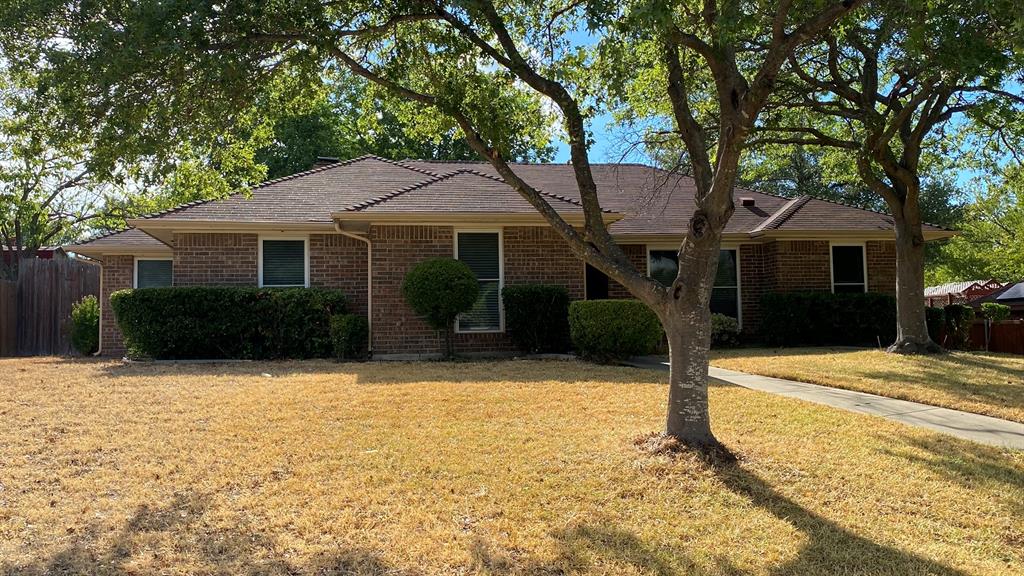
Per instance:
(85,325)
(439,290)
(725,331)
(610,330)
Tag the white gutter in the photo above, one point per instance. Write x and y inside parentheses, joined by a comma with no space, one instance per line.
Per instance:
(99,341)
(369,282)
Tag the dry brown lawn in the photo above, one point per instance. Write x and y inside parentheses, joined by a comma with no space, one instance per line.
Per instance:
(990,384)
(471,468)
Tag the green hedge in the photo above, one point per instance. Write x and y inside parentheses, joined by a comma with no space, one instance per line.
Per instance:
(958,326)
(608,330)
(349,336)
(725,331)
(537,317)
(225,322)
(935,317)
(85,325)
(823,318)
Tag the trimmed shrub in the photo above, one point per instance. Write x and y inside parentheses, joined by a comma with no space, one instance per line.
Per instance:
(537,317)
(227,322)
(609,330)
(85,325)
(725,331)
(958,326)
(349,334)
(439,290)
(994,311)
(935,317)
(823,318)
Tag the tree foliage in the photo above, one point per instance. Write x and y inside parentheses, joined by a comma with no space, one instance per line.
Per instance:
(501,72)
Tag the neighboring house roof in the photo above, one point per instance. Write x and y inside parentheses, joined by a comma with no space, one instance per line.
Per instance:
(641,201)
(1012,294)
(961,287)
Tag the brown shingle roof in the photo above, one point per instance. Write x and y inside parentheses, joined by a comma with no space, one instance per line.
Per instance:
(121,238)
(650,201)
(308,196)
(461,191)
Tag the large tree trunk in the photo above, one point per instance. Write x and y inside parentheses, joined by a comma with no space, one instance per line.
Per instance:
(688,418)
(911,325)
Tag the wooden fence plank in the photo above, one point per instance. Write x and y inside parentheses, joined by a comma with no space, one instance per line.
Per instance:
(8,317)
(45,292)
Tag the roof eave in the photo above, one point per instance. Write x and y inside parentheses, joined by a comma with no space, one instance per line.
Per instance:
(877,234)
(435,218)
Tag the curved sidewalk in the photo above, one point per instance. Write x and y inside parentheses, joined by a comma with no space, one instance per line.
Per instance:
(983,429)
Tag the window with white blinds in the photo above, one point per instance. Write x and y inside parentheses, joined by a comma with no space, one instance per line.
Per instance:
(481,251)
(282,262)
(150,273)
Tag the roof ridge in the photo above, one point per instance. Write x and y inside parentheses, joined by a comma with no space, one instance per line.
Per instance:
(359,206)
(873,211)
(103,234)
(263,184)
(785,212)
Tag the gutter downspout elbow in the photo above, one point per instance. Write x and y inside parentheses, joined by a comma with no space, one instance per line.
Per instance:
(369,282)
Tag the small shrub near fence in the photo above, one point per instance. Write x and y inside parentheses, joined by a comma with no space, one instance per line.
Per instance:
(224,322)
(935,317)
(958,326)
(85,325)
(823,318)
(609,330)
(537,317)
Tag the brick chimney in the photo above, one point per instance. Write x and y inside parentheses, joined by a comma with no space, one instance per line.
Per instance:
(322,161)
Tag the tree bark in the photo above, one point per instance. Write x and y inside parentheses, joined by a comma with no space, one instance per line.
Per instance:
(911,325)
(688,419)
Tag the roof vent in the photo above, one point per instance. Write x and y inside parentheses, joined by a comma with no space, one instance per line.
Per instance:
(322,161)
(747,201)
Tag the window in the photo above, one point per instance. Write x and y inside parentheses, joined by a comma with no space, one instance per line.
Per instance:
(153,272)
(283,262)
(481,251)
(848,273)
(725,296)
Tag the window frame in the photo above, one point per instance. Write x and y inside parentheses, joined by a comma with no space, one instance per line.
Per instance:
(501,276)
(259,259)
(135,268)
(739,271)
(832,268)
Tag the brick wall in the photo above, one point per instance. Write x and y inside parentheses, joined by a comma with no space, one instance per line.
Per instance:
(117,275)
(637,254)
(215,259)
(396,249)
(881,256)
(752,285)
(798,265)
(531,255)
(337,261)
(535,254)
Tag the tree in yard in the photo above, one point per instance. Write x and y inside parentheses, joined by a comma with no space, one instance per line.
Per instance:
(346,116)
(992,234)
(497,72)
(439,290)
(886,89)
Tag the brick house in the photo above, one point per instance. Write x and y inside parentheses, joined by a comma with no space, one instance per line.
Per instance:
(360,225)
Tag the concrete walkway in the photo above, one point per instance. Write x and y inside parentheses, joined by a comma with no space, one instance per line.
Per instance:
(976,427)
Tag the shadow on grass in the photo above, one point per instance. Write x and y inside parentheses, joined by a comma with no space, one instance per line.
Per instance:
(380,373)
(966,463)
(237,550)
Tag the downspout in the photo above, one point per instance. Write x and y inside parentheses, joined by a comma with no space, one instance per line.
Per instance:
(99,345)
(369,282)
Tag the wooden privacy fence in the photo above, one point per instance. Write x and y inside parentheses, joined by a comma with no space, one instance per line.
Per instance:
(39,311)
(1006,336)
(8,317)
